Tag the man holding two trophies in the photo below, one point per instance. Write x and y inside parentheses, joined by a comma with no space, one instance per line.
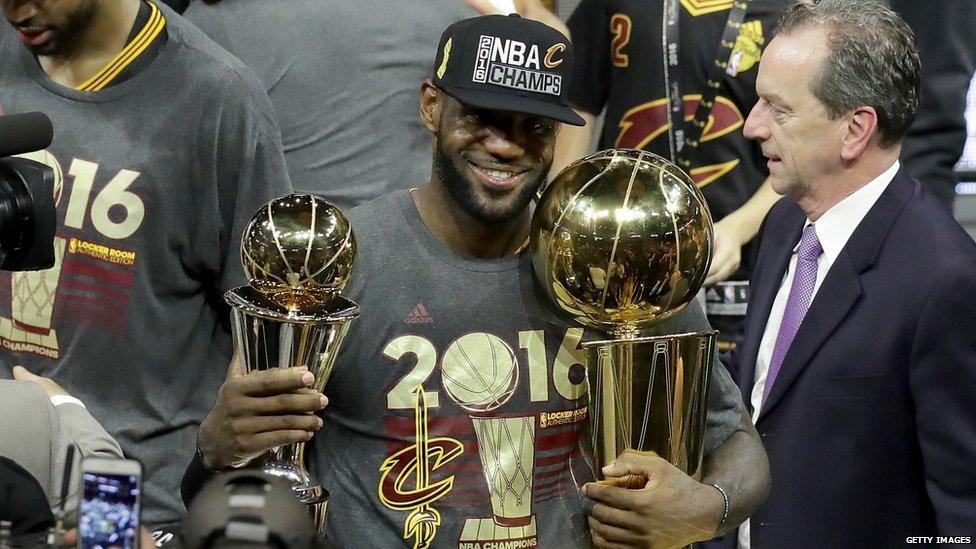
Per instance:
(457,406)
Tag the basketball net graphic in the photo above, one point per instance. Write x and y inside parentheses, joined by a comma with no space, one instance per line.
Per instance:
(479,371)
(33,292)
(32,304)
(507,450)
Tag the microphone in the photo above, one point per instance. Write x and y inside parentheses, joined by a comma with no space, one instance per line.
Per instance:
(24,133)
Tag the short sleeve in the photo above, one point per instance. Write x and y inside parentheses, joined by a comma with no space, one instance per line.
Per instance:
(251,172)
(589,31)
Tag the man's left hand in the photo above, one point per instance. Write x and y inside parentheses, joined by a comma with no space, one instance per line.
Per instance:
(670,510)
(726,254)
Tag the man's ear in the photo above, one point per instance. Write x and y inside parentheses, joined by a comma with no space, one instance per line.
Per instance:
(862,127)
(431,103)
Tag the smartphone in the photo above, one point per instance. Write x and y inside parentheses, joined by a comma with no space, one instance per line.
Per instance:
(111,497)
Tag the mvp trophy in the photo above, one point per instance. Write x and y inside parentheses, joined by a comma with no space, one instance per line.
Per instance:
(298,252)
(621,240)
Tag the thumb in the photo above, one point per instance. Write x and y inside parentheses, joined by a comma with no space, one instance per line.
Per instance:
(22,374)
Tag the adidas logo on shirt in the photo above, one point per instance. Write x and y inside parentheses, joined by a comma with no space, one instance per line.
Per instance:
(419,315)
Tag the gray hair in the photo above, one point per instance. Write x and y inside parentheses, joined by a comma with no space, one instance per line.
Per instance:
(873,61)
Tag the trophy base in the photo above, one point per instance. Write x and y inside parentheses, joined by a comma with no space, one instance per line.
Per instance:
(313,496)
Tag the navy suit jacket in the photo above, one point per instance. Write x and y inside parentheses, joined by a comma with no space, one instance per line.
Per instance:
(870,426)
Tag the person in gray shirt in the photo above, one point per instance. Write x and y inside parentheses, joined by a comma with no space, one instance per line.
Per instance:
(447,299)
(343,78)
(164,147)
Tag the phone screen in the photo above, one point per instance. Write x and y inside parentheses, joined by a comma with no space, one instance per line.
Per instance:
(109,513)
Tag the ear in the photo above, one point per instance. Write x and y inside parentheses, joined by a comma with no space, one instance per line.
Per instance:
(862,127)
(431,103)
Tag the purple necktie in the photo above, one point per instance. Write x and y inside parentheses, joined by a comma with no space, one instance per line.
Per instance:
(801,291)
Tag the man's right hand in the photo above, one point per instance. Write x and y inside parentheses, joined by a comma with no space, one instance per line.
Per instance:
(258,411)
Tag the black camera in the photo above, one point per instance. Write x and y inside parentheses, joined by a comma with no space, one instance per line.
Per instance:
(27,210)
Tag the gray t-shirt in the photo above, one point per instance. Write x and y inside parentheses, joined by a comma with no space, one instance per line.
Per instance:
(504,398)
(157,177)
(344,78)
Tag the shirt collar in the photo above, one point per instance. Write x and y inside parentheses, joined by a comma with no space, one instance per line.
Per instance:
(837,224)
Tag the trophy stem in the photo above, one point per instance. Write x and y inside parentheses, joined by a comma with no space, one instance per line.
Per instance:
(269,338)
(650,394)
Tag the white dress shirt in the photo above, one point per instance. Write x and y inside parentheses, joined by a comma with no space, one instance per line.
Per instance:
(834,228)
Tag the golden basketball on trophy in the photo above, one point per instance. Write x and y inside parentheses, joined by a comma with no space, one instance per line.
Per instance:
(298,251)
(621,240)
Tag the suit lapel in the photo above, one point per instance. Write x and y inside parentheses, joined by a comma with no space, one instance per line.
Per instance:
(841,289)
(777,246)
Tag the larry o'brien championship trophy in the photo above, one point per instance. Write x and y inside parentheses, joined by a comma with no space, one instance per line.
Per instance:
(298,252)
(621,240)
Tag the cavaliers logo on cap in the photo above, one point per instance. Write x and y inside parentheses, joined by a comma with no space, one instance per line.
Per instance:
(444,57)
(551,53)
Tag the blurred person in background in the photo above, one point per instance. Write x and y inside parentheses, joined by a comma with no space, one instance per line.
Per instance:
(935,141)
(343,78)
(164,147)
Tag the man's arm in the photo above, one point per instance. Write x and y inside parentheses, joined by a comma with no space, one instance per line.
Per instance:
(736,230)
(739,466)
(572,143)
(942,379)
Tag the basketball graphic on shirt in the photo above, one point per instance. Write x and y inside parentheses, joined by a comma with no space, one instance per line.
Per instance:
(479,371)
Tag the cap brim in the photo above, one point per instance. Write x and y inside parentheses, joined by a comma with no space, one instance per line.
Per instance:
(508,101)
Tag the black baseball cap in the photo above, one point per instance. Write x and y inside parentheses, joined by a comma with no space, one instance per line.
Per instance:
(507,63)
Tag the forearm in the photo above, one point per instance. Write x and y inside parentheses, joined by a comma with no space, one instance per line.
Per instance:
(749,217)
(740,467)
(195,476)
(572,143)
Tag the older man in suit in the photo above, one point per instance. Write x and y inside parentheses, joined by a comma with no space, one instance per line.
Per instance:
(859,356)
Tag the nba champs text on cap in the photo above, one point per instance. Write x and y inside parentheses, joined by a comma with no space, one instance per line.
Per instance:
(507,63)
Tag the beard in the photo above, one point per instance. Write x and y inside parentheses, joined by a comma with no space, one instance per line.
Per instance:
(461,190)
(69,34)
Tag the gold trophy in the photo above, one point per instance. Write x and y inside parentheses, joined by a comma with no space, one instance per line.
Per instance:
(298,252)
(621,240)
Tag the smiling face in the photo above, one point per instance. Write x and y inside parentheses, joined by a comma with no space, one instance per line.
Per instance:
(50,27)
(792,126)
(490,162)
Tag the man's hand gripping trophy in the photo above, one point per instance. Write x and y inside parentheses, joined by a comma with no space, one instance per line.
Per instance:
(298,252)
